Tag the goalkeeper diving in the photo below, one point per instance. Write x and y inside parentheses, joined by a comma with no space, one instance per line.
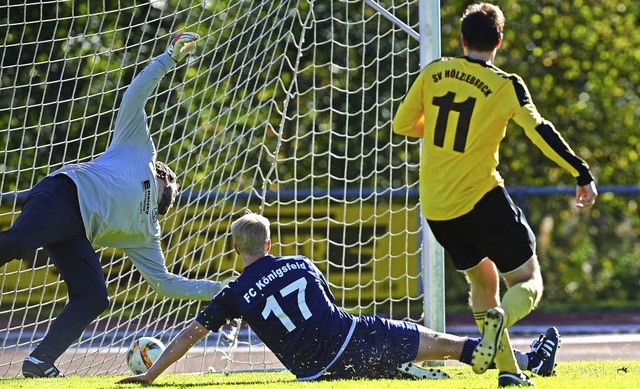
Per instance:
(114,200)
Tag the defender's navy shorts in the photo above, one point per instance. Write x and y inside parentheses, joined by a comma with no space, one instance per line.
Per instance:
(495,228)
(377,347)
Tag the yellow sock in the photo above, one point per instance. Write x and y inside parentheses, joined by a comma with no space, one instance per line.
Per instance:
(505,360)
(519,300)
(479,318)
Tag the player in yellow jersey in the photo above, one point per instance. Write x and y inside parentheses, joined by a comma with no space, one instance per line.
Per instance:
(461,107)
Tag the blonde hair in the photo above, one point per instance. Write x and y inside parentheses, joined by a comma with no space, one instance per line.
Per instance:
(251,233)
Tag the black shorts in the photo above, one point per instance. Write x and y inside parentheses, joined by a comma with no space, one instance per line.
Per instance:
(495,228)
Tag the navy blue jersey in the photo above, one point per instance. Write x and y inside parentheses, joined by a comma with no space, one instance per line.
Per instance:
(288,304)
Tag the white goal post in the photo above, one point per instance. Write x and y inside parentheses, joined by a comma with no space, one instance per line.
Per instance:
(285,109)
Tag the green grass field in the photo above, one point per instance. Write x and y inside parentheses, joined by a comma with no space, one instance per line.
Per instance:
(592,375)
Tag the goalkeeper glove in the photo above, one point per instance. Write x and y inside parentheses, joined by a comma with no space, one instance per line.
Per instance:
(182,45)
(227,281)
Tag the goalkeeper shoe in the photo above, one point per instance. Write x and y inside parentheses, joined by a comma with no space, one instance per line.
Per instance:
(514,379)
(182,45)
(546,347)
(485,351)
(35,368)
(409,370)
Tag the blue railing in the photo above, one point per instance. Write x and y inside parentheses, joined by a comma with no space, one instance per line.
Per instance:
(518,192)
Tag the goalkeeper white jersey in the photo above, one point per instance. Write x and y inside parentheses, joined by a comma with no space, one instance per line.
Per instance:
(118,193)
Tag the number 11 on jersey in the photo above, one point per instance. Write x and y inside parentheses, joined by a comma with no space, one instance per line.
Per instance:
(445,105)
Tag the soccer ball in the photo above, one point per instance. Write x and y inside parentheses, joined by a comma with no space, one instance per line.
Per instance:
(143,353)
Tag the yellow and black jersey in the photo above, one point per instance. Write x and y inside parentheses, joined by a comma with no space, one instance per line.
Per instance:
(461,107)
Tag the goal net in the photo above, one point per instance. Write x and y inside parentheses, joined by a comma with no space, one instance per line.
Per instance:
(285,109)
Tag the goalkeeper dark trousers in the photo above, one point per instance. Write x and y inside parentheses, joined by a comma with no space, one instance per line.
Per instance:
(51,219)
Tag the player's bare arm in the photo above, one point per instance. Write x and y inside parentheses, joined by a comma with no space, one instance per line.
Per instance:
(586,195)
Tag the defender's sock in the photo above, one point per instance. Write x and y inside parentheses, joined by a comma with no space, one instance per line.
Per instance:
(531,360)
(467,350)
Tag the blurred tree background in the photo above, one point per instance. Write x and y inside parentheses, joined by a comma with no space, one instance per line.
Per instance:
(580,60)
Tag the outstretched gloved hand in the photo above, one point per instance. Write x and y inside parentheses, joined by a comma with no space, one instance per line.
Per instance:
(182,45)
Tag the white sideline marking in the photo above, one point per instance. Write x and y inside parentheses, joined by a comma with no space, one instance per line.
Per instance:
(592,339)
(565,340)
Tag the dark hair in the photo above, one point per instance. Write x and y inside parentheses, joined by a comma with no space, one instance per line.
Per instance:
(162,171)
(482,25)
